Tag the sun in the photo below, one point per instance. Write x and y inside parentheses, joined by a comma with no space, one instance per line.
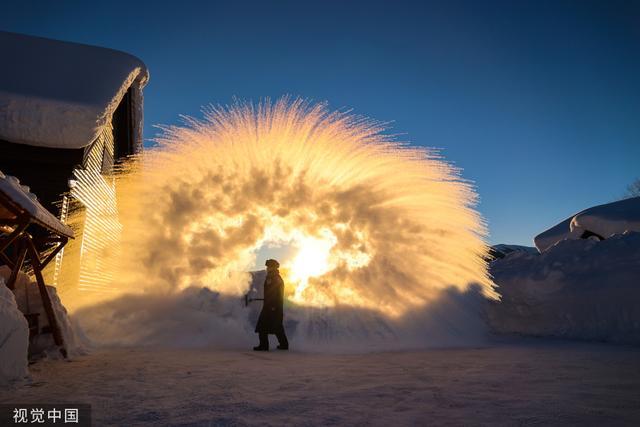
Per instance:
(311,260)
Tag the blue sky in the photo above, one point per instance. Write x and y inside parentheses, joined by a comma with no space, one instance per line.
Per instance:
(538,102)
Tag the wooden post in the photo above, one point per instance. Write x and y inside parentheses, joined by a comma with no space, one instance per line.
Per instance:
(46,299)
(22,252)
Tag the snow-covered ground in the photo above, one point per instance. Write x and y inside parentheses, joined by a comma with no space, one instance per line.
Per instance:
(525,383)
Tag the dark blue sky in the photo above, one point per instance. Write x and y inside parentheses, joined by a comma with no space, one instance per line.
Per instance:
(538,102)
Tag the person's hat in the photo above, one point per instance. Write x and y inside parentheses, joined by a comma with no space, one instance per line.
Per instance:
(272,263)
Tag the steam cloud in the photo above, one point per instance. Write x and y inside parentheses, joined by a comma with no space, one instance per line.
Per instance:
(404,245)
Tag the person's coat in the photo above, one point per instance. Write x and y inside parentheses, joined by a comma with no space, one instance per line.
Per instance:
(270,320)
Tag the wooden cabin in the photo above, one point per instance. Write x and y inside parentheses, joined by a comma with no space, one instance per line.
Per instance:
(68,114)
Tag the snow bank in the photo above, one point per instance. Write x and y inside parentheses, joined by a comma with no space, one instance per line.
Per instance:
(14,338)
(580,289)
(60,94)
(603,221)
(76,342)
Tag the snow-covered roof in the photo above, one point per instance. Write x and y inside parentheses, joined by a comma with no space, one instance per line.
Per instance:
(603,220)
(20,198)
(61,94)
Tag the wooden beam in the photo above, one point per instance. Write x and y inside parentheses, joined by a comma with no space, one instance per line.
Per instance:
(54,252)
(21,226)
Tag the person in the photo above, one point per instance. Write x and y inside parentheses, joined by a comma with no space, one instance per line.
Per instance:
(270,319)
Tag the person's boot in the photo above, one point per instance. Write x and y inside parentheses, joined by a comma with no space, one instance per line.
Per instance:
(264,343)
(283,343)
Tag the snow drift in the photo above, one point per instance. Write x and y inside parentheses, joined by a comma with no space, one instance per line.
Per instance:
(75,341)
(579,289)
(26,296)
(599,221)
(14,338)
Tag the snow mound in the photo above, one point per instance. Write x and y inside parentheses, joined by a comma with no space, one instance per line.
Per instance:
(579,289)
(600,221)
(75,341)
(607,220)
(14,338)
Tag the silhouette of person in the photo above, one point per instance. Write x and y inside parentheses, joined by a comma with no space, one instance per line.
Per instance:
(270,320)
